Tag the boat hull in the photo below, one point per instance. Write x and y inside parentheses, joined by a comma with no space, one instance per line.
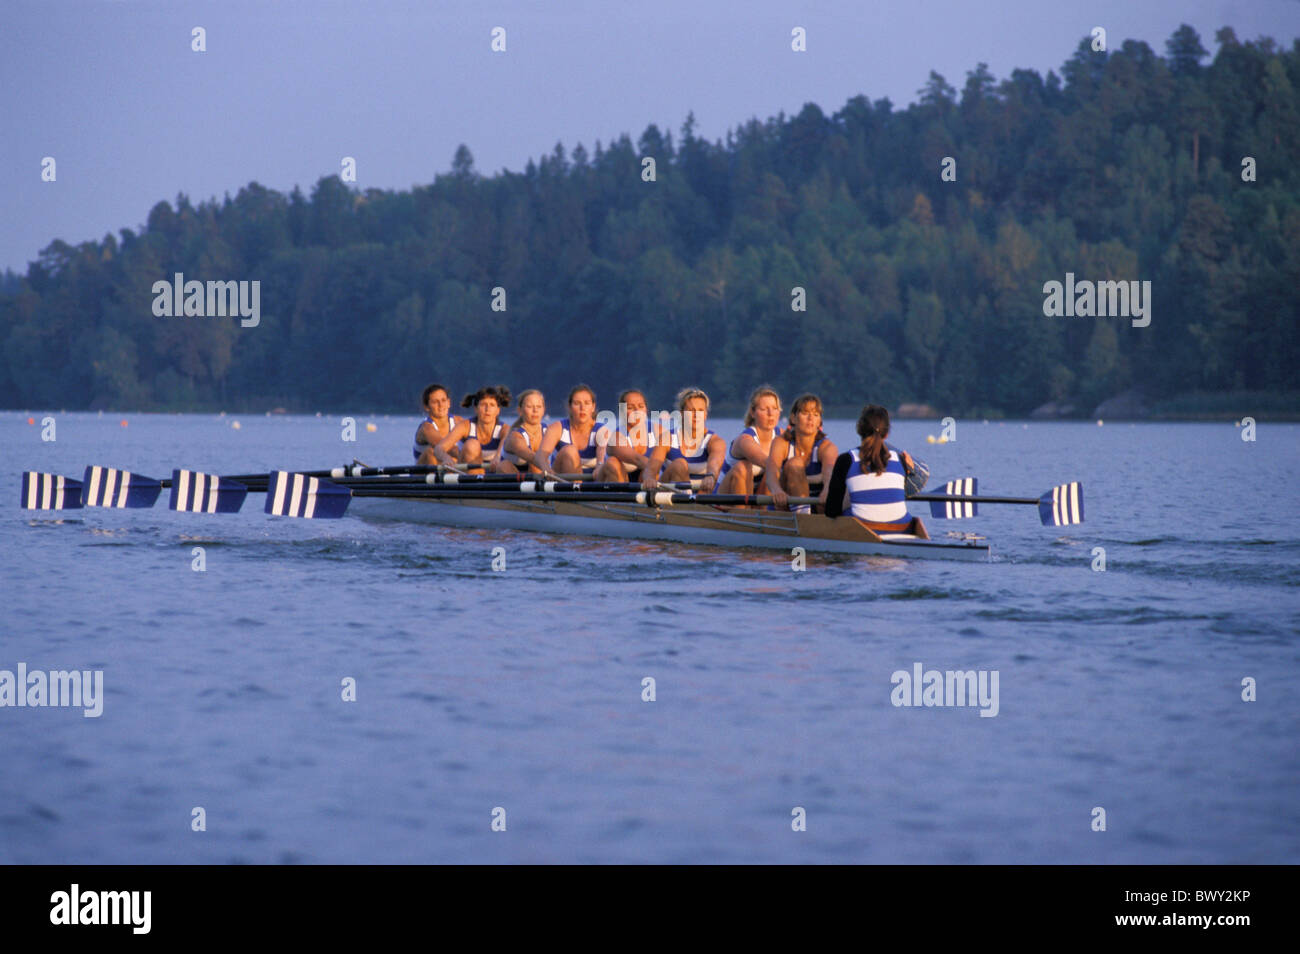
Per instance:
(694,524)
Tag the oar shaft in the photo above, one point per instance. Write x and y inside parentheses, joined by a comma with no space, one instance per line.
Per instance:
(605,493)
(945,498)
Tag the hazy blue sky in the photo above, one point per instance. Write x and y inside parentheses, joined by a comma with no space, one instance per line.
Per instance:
(111,89)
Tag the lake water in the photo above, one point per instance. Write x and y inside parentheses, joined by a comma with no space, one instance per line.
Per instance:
(522,689)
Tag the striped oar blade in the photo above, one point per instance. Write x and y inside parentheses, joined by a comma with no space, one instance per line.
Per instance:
(195,492)
(956,509)
(110,487)
(1062,505)
(50,492)
(296,495)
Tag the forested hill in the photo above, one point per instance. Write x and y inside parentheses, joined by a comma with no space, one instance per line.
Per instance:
(1126,166)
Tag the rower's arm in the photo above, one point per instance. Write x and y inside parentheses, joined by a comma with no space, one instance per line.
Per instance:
(835,486)
(717,457)
(550,437)
(628,455)
(828,452)
(903,455)
(457,433)
(657,456)
(775,461)
(746,448)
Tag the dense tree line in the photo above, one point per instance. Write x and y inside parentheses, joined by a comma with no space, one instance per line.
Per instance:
(1127,165)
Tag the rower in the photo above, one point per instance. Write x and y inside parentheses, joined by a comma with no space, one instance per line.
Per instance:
(868,481)
(436,425)
(571,444)
(694,451)
(519,453)
(743,470)
(631,456)
(797,455)
(479,437)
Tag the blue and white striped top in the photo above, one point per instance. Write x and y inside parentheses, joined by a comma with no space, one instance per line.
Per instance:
(697,463)
(528,442)
(814,468)
(417,448)
(585,454)
(622,439)
(732,461)
(490,448)
(877,498)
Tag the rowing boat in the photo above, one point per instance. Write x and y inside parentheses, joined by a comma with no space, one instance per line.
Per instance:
(570,504)
(681,523)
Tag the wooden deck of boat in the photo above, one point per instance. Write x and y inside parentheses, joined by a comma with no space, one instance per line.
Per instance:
(689,523)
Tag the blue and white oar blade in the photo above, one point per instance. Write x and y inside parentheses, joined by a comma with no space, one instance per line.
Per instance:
(195,492)
(50,492)
(110,487)
(295,495)
(1062,505)
(956,509)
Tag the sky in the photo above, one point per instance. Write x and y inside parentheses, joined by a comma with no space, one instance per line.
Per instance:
(112,90)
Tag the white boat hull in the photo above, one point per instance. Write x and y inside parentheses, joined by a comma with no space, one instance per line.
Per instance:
(708,526)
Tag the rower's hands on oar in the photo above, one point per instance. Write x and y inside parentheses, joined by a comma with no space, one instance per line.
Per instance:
(780,498)
(708,483)
(648,480)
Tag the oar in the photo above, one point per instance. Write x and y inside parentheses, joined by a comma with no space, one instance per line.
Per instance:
(298,495)
(1060,506)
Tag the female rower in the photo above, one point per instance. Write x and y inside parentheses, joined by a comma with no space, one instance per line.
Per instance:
(798,453)
(633,456)
(436,425)
(570,443)
(520,454)
(868,481)
(743,471)
(694,451)
(479,437)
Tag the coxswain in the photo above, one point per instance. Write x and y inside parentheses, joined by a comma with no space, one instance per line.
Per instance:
(868,482)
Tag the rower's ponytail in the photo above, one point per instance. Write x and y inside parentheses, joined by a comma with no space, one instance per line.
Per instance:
(873,428)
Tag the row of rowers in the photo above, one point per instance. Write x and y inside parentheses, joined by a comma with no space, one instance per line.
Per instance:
(761,459)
